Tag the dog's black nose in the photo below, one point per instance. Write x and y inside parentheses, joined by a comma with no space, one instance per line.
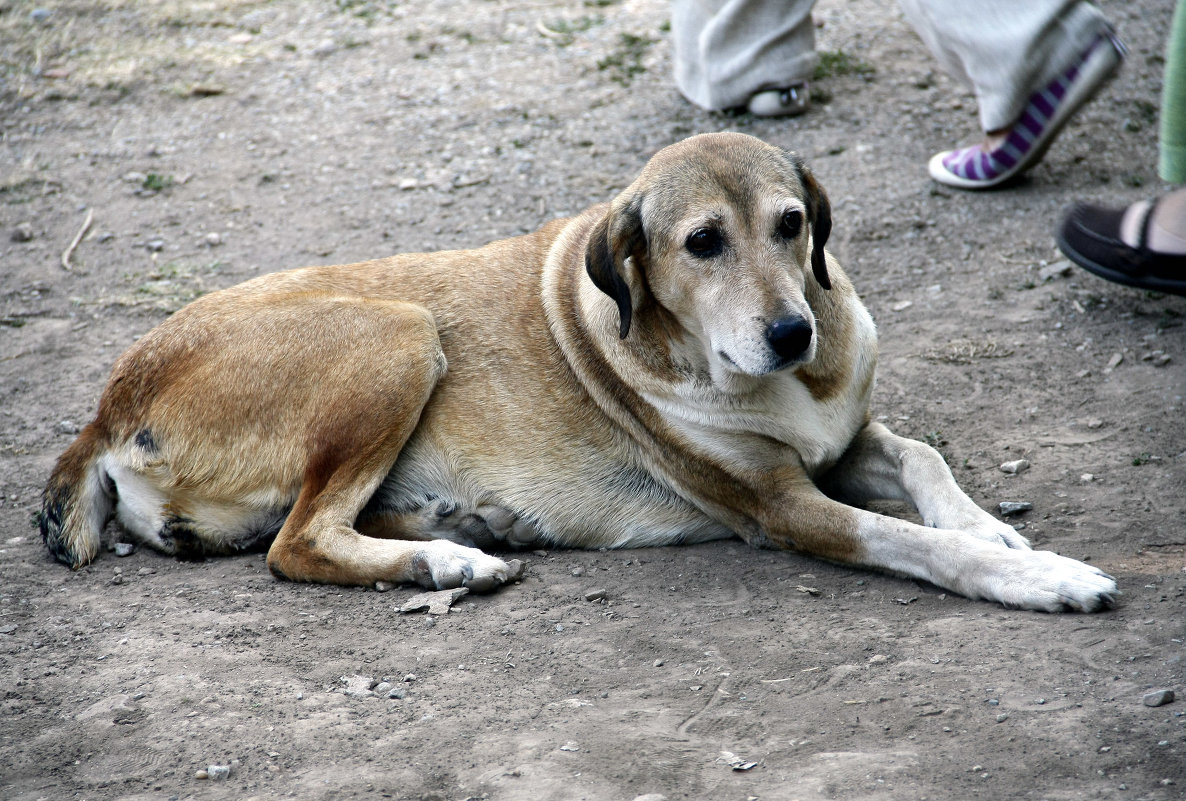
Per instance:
(789,337)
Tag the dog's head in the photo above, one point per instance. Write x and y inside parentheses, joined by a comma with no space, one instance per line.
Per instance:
(722,232)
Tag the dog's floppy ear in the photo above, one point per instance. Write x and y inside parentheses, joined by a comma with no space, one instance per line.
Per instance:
(819,215)
(617,237)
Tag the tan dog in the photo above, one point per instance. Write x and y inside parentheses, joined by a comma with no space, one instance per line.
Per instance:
(683,364)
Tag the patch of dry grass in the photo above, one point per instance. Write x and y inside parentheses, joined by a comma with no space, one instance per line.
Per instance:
(116,45)
(966,351)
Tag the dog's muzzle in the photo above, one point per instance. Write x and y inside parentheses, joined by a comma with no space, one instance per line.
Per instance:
(789,338)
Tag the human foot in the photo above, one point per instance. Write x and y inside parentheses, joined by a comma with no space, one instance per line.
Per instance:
(1008,153)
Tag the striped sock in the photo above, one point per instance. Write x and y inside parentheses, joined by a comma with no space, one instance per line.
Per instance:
(977,164)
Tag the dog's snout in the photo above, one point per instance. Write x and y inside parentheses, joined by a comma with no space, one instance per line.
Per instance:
(789,337)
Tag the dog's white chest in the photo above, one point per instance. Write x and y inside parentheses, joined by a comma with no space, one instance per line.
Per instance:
(781,422)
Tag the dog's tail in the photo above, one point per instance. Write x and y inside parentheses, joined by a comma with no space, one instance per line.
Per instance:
(77,502)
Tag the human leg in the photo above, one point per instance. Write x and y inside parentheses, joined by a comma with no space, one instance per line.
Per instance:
(1144,244)
(726,51)
(1032,65)
(1172,164)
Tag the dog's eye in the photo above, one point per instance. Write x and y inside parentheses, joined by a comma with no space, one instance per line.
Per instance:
(790,224)
(704,243)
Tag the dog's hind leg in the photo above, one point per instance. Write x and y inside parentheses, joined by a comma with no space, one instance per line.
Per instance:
(353,442)
(880,465)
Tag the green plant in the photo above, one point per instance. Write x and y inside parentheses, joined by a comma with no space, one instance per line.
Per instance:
(626,60)
(155,182)
(834,63)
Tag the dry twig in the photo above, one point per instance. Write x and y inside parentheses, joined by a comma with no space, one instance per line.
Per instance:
(86,225)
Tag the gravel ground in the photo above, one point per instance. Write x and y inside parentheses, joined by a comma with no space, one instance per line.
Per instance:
(215,141)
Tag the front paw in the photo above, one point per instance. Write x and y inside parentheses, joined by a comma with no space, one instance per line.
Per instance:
(444,565)
(1044,581)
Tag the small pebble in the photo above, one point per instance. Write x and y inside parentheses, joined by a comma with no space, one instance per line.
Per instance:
(201,774)
(658,663)
(67,427)
(397,692)
(1056,270)
(877,659)
(1001,718)
(358,686)
(384,586)
(1087,478)
(651,797)
(213,239)
(1015,507)
(145,571)
(155,245)
(383,688)
(1158,698)
(218,772)
(595,595)
(40,15)
(1040,701)
(578,571)
(23,232)
(124,549)
(1114,362)
(1016,466)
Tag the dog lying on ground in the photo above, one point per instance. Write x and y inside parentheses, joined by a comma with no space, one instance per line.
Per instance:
(683,364)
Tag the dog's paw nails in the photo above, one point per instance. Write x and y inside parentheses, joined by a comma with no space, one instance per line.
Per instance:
(510,571)
(444,565)
(1047,582)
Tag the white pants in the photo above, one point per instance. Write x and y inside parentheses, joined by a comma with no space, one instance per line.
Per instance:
(726,50)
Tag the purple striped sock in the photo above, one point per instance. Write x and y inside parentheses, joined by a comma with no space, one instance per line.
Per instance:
(977,164)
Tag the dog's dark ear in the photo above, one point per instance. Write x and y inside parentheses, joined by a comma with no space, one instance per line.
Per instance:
(819,215)
(617,237)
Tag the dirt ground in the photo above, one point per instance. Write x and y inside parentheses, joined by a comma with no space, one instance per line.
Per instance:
(215,141)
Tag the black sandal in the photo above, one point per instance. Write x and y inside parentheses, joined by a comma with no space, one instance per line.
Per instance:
(1090,237)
